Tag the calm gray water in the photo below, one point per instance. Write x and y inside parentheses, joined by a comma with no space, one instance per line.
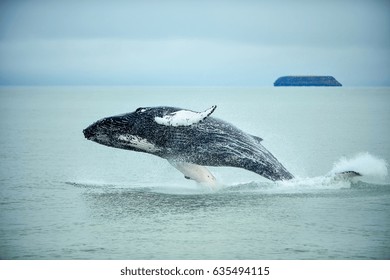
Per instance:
(63,197)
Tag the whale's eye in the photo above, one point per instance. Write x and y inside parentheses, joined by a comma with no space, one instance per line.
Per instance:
(140,110)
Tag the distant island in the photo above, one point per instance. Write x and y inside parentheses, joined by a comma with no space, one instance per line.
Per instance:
(307,81)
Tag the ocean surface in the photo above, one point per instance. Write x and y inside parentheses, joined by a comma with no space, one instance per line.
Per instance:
(63,197)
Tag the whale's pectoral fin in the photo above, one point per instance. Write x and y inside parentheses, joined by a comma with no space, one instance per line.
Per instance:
(184,117)
(195,172)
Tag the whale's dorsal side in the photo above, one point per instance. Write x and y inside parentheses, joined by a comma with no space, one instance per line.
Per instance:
(184,117)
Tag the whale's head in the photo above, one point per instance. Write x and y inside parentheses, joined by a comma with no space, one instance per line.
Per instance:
(144,130)
(136,131)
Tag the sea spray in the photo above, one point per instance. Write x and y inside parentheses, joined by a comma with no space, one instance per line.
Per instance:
(370,167)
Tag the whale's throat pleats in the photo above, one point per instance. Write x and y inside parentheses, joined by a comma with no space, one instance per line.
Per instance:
(138,143)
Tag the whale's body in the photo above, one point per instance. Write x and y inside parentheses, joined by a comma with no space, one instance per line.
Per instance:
(189,140)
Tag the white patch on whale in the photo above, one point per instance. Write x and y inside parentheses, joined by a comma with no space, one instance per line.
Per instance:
(100,138)
(184,117)
(138,142)
(196,172)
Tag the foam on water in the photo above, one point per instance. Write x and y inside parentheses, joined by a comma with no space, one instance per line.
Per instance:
(183,188)
(294,186)
(370,167)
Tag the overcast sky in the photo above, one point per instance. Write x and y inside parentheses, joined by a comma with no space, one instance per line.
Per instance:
(195,42)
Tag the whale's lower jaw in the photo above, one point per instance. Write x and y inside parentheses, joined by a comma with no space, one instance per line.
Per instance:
(137,142)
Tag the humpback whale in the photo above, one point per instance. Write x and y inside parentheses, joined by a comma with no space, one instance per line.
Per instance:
(189,140)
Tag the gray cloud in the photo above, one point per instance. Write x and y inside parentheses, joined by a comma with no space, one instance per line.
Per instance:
(192,42)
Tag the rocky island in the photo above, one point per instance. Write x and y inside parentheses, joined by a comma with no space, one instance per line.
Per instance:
(307,81)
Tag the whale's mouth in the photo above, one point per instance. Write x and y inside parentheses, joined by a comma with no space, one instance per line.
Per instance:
(88,133)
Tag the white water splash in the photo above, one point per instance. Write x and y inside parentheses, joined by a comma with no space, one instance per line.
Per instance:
(373,170)
(370,167)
